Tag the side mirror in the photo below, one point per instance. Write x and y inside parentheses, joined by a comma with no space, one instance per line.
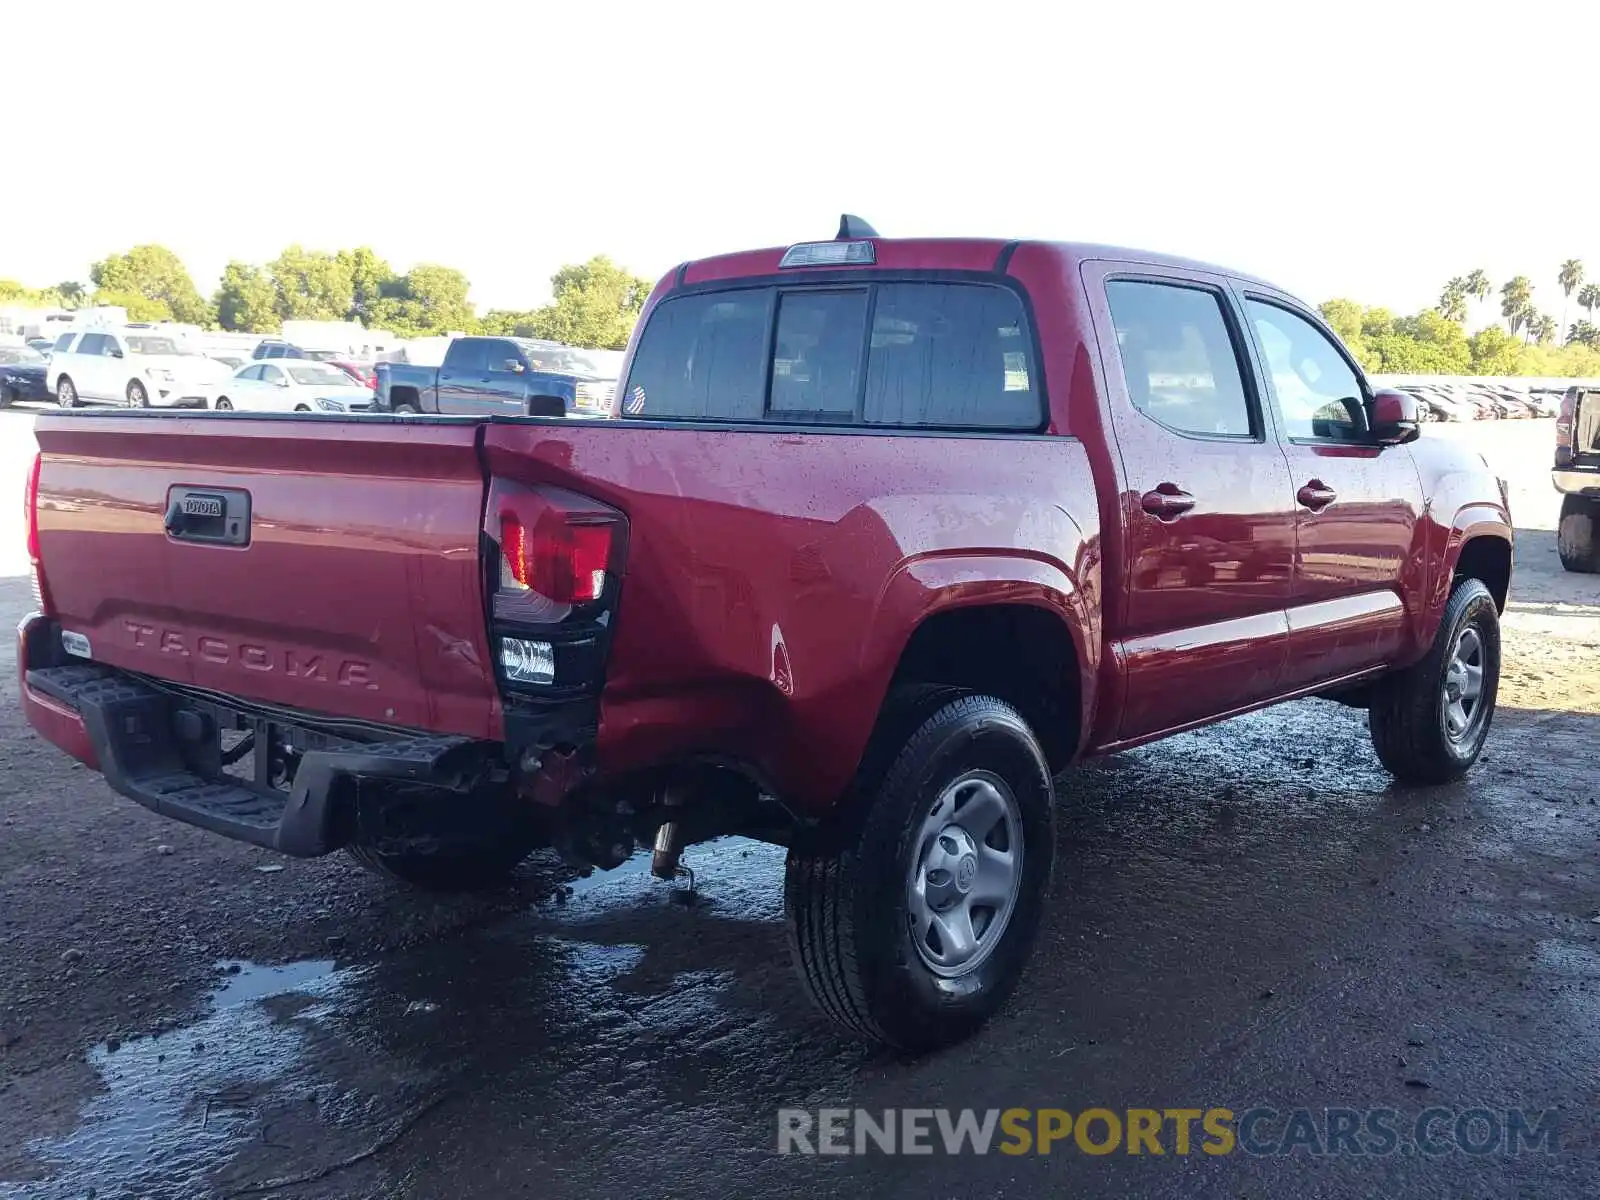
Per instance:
(1396,417)
(514,365)
(115,353)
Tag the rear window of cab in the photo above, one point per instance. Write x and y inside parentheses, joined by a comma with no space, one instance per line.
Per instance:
(892,354)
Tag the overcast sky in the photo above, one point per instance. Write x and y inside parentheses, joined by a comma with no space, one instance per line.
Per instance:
(1362,149)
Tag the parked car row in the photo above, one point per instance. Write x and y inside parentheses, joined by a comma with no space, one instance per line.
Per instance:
(1481,401)
(136,367)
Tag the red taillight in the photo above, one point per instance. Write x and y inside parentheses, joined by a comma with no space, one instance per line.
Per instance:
(30,509)
(30,516)
(561,561)
(1566,422)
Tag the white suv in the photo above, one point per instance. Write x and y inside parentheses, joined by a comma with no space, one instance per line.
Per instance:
(129,367)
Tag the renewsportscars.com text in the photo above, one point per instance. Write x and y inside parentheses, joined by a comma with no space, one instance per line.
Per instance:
(1162,1131)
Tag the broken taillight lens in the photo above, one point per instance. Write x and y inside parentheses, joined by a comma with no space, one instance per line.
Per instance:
(564,563)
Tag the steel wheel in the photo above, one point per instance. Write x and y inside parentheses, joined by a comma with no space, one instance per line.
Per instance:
(1463,686)
(966,875)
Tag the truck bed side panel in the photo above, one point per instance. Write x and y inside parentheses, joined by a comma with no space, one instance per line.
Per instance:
(359,593)
(773,577)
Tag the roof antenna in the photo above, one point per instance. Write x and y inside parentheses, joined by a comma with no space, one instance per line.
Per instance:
(851,226)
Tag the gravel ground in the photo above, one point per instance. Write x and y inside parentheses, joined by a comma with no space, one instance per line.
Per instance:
(1248,915)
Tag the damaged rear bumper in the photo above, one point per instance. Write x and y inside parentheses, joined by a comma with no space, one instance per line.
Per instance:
(163,749)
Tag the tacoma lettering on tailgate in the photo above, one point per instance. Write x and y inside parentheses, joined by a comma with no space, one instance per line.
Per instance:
(252,656)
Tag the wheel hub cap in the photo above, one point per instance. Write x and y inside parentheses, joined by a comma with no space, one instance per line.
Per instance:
(1463,685)
(966,874)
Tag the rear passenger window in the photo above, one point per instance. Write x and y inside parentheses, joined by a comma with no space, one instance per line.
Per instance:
(704,357)
(93,343)
(468,357)
(816,363)
(949,354)
(898,354)
(1178,357)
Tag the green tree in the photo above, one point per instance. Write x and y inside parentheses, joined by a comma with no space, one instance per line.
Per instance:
(1453,300)
(72,293)
(428,299)
(140,308)
(1516,302)
(156,274)
(369,276)
(1569,277)
(509,322)
(1496,352)
(1589,298)
(1542,327)
(1477,284)
(311,285)
(596,305)
(247,301)
(1584,333)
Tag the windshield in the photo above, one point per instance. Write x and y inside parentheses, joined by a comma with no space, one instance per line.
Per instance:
(602,364)
(320,355)
(316,375)
(152,345)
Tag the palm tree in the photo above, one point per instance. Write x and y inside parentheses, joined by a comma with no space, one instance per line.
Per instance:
(1543,327)
(1589,298)
(1516,302)
(1477,283)
(1453,300)
(1570,276)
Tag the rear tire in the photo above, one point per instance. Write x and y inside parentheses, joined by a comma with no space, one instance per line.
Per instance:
(888,920)
(404,410)
(302,408)
(1577,539)
(1429,721)
(8,396)
(224,404)
(66,393)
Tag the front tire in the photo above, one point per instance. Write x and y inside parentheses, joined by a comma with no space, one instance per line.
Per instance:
(66,393)
(302,408)
(137,396)
(224,404)
(1429,721)
(911,923)
(1577,538)
(8,396)
(404,410)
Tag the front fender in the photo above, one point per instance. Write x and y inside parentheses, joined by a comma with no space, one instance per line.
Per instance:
(1477,519)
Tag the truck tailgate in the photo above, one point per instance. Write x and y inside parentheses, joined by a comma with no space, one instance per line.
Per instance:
(344,577)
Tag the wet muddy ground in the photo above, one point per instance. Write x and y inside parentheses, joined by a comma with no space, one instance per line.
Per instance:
(1247,916)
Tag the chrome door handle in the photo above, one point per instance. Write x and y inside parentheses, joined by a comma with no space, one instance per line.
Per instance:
(1167,501)
(1316,495)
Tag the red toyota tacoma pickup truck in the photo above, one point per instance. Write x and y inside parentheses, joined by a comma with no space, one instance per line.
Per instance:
(886,535)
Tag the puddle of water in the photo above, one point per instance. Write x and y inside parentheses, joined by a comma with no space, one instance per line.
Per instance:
(175,1105)
(247,981)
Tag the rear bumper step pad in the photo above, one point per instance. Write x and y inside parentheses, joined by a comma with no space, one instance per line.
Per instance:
(132,727)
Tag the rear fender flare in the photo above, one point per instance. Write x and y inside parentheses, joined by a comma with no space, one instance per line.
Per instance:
(929,585)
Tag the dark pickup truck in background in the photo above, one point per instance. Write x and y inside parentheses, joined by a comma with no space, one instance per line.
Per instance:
(1577,478)
(888,534)
(499,376)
